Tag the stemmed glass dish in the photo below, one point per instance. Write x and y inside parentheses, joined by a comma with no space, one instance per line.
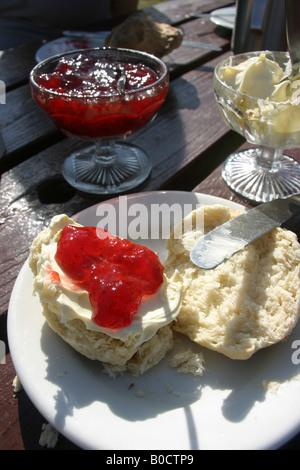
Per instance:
(272,122)
(102,95)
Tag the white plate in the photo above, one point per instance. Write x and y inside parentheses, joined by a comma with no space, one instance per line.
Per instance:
(224,17)
(226,408)
(66,44)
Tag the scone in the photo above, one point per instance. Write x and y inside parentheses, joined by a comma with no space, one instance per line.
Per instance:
(249,302)
(67,308)
(141,33)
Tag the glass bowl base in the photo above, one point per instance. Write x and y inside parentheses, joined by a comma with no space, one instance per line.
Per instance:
(108,174)
(246,178)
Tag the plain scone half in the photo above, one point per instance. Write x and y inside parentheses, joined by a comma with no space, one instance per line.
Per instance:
(140,32)
(248,302)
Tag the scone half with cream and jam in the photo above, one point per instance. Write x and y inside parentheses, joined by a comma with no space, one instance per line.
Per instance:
(248,302)
(108,298)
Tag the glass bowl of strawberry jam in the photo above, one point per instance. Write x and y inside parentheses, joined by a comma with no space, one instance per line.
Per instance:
(103,96)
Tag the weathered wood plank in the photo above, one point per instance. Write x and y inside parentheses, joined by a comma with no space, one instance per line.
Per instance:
(175,11)
(22,124)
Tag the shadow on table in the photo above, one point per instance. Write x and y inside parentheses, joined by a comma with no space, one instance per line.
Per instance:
(81,384)
(31,424)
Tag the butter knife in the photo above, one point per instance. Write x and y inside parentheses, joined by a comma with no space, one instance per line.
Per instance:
(2,147)
(232,236)
(104,34)
(201,45)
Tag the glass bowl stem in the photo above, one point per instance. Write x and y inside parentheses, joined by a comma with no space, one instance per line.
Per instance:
(262,174)
(107,167)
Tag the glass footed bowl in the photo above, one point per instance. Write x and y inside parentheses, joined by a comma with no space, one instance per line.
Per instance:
(261,173)
(103,96)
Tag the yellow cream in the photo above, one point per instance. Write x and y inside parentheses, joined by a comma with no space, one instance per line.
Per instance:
(260,77)
(270,112)
(69,301)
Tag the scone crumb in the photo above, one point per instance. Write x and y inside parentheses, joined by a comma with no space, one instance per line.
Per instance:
(49,436)
(296,376)
(140,393)
(17,385)
(188,362)
(271,386)
(61,374)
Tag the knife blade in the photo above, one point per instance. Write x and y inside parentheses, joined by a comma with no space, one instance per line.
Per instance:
(2,147)
(201,45)
(227,239)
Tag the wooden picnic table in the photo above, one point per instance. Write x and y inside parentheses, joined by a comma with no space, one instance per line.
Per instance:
(187,143)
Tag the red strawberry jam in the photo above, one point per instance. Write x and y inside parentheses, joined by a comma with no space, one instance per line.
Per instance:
(88,97)
(116,272)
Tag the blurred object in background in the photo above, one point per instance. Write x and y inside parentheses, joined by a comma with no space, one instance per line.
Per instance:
(25,21)
(259,25)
